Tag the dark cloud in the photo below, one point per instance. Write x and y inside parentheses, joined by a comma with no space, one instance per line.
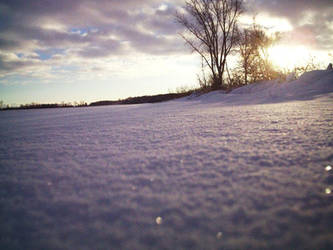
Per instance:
(8,44)
(292,9)
(164,22)
(14,64)
(101,49)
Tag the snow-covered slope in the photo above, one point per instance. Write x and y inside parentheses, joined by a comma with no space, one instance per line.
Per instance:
(309,86)
(221,171)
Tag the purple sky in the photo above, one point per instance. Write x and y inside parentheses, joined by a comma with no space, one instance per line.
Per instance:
(52,51)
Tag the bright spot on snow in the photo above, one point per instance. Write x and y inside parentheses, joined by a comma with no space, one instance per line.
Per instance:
(328,168)
(219,235)
(327,191)
(159,220)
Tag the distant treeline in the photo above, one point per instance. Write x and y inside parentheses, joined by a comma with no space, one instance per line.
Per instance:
(45,106)
(142,99)
(130,100)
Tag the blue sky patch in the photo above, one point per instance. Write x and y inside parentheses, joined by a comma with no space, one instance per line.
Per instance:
(48,53)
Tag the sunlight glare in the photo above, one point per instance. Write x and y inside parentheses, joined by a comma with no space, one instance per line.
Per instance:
(159,220)
(284,56)
(328,191)
(163,7)
(219,235)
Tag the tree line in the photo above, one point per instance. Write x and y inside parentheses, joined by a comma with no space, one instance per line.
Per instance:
(34,105)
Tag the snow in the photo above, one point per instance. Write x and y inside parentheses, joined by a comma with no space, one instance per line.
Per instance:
(309,86)
(244,170)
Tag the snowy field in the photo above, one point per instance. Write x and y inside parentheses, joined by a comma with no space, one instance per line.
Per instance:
(246,170)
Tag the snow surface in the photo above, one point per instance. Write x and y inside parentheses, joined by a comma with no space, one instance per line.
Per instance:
(244,170)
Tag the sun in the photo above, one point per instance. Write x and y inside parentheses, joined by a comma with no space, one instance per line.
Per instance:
(288,57)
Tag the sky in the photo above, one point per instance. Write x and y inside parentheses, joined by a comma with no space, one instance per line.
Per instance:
(88,50)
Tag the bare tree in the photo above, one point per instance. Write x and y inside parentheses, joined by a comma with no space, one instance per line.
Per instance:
(265,69)
(211,31)
(253,44)
(247,48)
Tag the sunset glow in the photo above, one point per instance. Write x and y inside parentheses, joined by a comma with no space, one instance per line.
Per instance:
(289,57)
(284,56)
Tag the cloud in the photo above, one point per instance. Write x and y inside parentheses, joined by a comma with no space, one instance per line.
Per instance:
(8,44)
(101,49)
(312,21)
(86,29)
(33,32)
(292,9)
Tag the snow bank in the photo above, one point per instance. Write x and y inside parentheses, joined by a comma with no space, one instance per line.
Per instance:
(309,86)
